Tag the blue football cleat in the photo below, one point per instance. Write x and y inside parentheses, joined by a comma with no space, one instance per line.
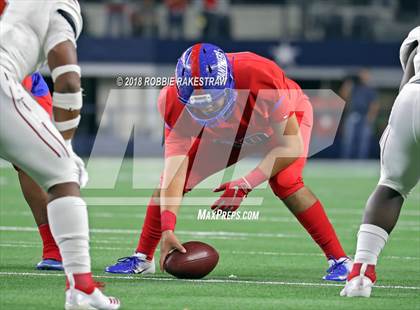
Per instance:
(50,264)
(135,264)
(339,269)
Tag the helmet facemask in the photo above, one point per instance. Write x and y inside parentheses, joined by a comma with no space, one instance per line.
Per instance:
(210,110)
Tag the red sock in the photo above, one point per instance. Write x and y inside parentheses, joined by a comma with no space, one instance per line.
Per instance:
(83,282)
(355,271)
(151,232)
(321,230)
(50,249)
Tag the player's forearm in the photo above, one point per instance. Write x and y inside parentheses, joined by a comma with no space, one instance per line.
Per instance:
(69,84)
(282,156)
(172,187)
(62,116)
(171,197)
(275,160)
(289,148)
(67,96)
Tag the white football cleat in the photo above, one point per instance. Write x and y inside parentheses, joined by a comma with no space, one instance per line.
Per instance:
(359,285)
(78,300)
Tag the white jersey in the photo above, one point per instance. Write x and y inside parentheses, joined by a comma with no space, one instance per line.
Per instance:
(29,29)
(405,51)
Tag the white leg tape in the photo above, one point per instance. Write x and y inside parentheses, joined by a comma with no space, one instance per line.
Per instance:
(64,69)
(68,101)
(371,240)
(67,125)
(68,221)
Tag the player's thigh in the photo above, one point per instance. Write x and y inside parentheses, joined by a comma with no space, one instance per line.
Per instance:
(29,140)
(400,143)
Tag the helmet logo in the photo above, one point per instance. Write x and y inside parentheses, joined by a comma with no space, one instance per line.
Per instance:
(222,66)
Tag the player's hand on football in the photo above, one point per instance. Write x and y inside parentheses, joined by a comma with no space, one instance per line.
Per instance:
(169,242)
(234,193)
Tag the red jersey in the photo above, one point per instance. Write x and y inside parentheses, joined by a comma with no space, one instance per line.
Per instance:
(265,96)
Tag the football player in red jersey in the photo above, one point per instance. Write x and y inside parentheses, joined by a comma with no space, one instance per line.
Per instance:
(35,196)
(222,108)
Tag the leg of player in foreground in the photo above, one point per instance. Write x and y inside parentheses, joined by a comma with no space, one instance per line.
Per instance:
(37,200)
(67,100)
(400,171)
(34,195)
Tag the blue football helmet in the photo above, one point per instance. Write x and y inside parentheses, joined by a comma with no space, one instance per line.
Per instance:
(205,84)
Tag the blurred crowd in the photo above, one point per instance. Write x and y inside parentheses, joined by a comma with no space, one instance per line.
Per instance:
(351,19)
(360,115)
(141,18)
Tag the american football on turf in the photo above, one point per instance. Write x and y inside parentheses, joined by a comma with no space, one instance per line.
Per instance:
(198,262)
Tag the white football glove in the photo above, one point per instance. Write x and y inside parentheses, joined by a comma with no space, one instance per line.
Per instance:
(83,174)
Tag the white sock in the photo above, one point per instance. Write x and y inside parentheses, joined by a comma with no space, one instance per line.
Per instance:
(371,240)
(68,221)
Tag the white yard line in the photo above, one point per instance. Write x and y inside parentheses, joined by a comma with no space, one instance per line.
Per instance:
(33,274)
(195,234)
(28,244)
(180,232)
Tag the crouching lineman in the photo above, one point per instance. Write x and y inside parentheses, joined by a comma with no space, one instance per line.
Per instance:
(210,127)
(50,28)
(400,172)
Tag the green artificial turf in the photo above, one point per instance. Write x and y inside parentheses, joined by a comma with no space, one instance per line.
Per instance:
(269,263)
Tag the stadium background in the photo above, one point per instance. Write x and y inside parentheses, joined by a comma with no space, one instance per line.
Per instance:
(269,263)
(319,44)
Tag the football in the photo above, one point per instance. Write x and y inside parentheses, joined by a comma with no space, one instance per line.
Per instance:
(198,262)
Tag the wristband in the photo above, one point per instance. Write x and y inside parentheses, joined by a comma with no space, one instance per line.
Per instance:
(255,178)
(167,220)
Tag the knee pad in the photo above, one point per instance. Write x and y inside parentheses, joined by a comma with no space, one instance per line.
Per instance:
(284,187)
